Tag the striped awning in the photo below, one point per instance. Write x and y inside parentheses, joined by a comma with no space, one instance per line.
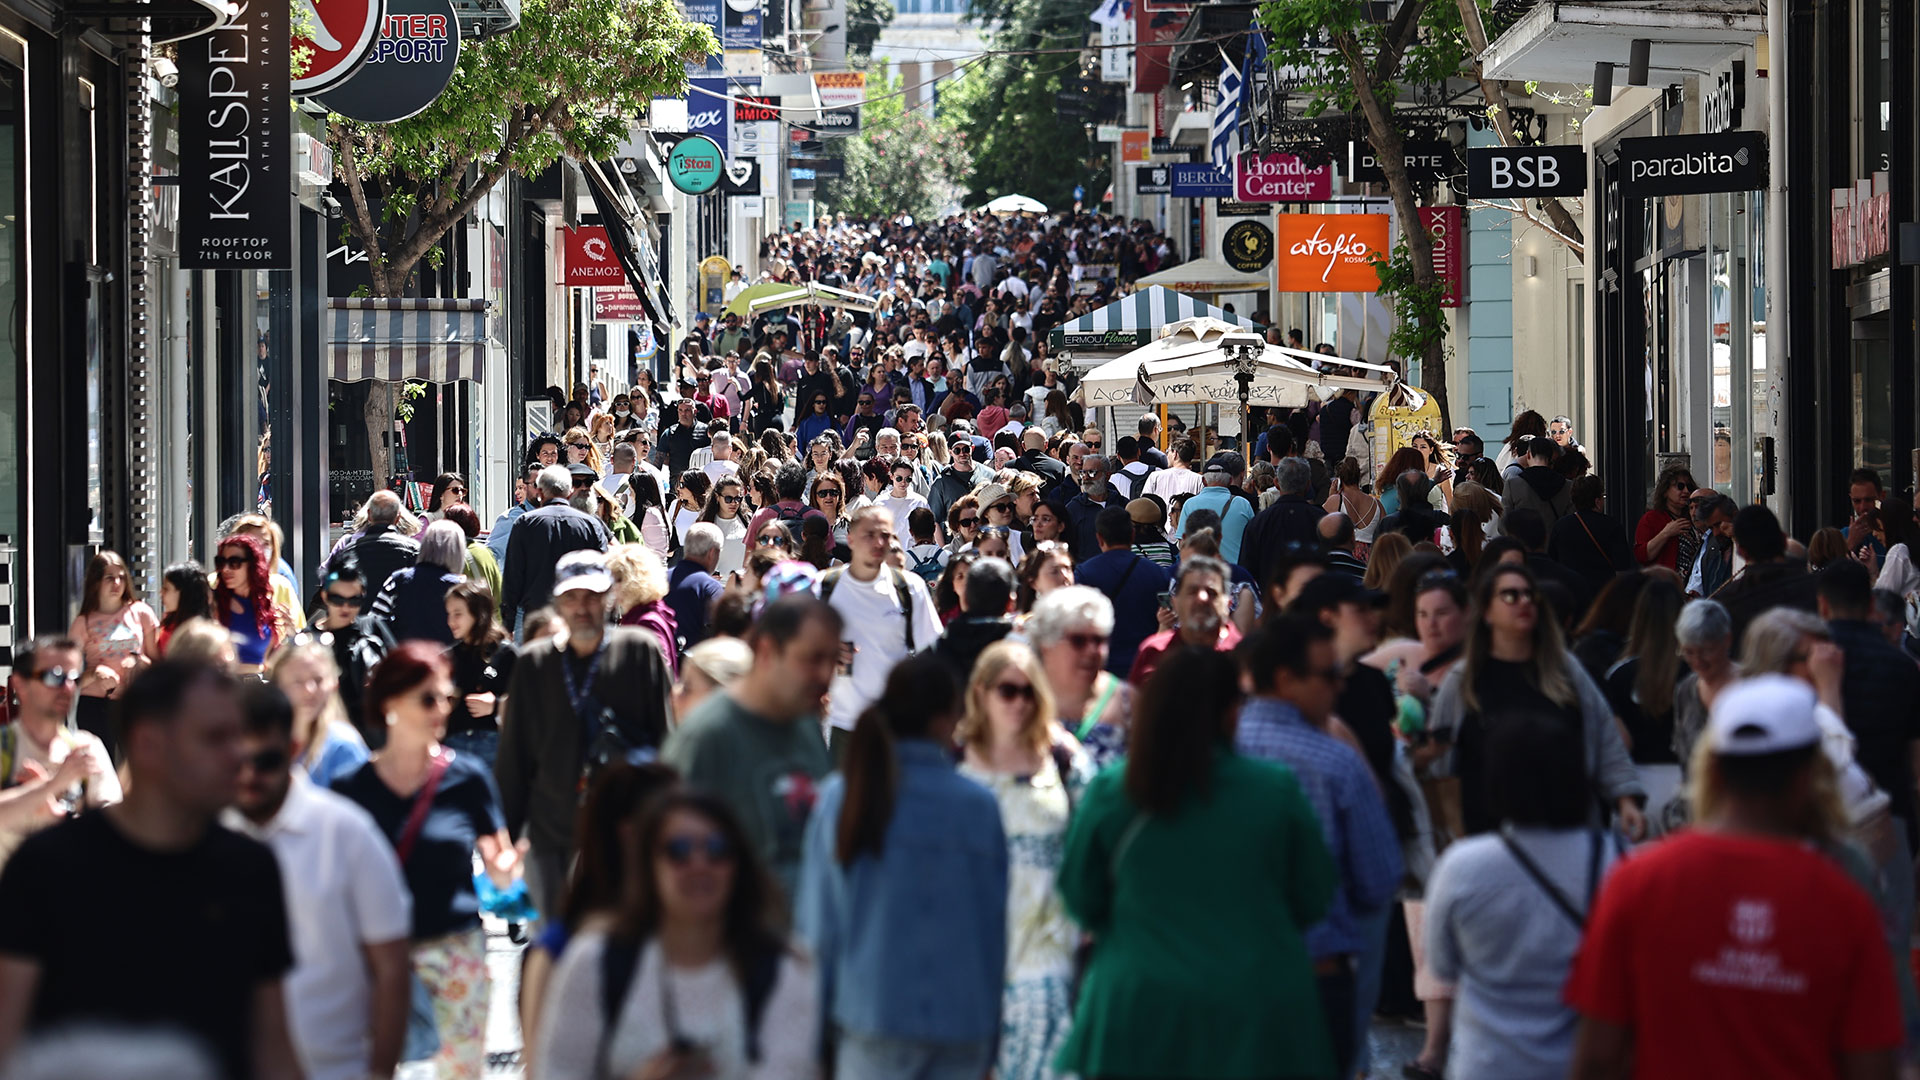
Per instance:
(434,340)
(1131,321)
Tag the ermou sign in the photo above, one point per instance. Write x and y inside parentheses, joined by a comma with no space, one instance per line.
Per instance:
(1693,164)
(1329,252)
(1280,178)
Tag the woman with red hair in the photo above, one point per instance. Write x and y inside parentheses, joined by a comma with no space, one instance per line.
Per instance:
(243,601)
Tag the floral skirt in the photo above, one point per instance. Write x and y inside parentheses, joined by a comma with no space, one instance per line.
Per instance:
(1035,1016)
(454,970)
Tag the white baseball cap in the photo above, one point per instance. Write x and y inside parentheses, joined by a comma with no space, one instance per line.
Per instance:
(1767,714)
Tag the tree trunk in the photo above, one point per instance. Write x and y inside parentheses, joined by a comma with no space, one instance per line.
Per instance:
(1497,114)
(378,413)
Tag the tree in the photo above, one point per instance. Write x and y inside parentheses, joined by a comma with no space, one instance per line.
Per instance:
(568,80)
(866,20)
(902,162)
(1369,60)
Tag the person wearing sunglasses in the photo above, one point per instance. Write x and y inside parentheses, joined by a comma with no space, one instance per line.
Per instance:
(41,758)
(1515,660)
(1070,628)
(703,983)
(1037,775)
(346,901)
(438,808)
(243,597)
(358,641)
(725,510)
(448,488)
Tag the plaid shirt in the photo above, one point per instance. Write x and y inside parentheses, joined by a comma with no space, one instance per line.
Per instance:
(1353,816)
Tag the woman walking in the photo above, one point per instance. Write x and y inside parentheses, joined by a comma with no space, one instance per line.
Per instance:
(326,746)
(116,634)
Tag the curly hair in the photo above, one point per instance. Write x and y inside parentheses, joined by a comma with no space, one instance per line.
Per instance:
(639,577)
(259,582)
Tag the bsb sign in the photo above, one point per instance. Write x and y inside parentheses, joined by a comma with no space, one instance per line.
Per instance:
(1280,178)
(1525,172)
(1693,164)
(1329,252)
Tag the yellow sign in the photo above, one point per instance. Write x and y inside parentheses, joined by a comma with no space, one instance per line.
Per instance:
(714,272)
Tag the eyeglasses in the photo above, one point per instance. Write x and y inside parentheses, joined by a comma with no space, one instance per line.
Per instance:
(680,850)
(733,500)
(232,562)
(772,541)
(56,677)
(1511,597)
(267,761)
(1012,691)
(335,599)
(1085,641)
(579,446)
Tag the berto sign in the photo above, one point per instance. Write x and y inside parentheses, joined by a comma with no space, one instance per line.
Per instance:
(695,165)
(1693,164)
(1280,178)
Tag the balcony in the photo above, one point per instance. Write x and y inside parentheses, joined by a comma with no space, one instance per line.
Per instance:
(1561,42)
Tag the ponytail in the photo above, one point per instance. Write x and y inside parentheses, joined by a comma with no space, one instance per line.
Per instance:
(920,690)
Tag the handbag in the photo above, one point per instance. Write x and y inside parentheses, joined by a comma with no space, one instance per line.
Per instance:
(423,1031)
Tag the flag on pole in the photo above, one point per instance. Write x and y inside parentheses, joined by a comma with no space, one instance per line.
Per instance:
(1226,115)
(1111,12)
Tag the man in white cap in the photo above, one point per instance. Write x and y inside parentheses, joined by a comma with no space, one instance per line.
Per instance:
(1739,948)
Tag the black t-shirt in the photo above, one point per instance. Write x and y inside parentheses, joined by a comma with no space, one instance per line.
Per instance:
(1368,708)
(479,669)
(439,871)
(1504,689)
(127,936)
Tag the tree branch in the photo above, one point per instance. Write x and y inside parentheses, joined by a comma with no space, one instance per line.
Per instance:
(1564,226)
(360,221)
(1519,209)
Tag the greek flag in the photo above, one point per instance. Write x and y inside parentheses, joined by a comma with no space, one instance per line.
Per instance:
(1112,11)
(1226,116)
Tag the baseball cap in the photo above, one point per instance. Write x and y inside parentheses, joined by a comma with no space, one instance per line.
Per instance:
(1766,714)
(1227,461)
(581,570)
(1333,589)
(583,472)
(1144,512)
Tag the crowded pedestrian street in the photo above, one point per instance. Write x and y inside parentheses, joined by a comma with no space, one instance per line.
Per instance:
(894,540)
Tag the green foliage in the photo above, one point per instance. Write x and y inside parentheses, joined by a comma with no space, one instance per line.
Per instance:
(866,19)
(901,162)
(1298,31)
(1420,323)
(569,80)
(299,27)
(410,391)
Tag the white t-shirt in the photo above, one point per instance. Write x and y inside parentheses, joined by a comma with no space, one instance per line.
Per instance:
(878,629)
(733,544)
(900,508)
(721,470)
(1167,483)
(343,891)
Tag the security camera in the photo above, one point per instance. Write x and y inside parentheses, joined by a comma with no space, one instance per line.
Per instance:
(166,71)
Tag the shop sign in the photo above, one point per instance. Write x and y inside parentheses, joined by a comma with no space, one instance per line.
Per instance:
(840,89)
(1107,340)
(1106,133)
(1725,99)
(1449,263)
(618,304)
(1200,180)
(1693,164)
(826,166)
(1235,208)
(753,110)
(1525,172)
(590,258)
(740,26)
(1134,145)
(742,177)
(705,13)
(707,108)
(1860,224)
(1329,252)
(801,175)
(409,66)
(1116,61)
(1247,246)
(695,165)
(837,122)
(236,199)
(1427,161)
(1280,178)
(1153,180)
(343,33)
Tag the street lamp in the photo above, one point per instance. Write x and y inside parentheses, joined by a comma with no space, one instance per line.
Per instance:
(1243,350)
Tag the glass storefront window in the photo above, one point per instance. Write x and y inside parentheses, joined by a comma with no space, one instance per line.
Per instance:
(12,293)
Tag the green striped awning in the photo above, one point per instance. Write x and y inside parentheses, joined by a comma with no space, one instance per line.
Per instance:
(1131,321)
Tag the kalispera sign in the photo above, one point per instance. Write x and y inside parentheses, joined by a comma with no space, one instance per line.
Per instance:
(1329,252)
(235,146)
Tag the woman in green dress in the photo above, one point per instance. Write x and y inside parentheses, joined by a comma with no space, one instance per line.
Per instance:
(1197,873)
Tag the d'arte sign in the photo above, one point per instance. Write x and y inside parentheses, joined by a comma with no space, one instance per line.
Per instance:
(236,205)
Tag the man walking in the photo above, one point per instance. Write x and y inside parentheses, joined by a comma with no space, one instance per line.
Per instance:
(1292,519)
(1200,616)
(888,616)
(540,539)
(575,704)
(381,548)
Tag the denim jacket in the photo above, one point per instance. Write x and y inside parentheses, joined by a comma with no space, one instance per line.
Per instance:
(911,945)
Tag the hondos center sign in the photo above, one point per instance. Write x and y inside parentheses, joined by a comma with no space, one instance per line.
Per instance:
(1280,178)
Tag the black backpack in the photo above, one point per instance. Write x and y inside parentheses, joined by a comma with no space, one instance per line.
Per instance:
(788,513)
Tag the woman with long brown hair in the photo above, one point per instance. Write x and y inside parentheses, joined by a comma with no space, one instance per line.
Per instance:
(482,657)
(901,845)
(116,632)
(1515,661)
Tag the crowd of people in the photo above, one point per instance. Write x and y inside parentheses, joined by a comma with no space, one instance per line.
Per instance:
(856,708)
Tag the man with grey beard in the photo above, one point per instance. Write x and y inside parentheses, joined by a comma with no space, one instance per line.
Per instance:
(541,536)
(1095,495)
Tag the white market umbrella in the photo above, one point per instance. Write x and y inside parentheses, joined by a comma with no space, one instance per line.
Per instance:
(769,297)
(1016,204)
(1186,365)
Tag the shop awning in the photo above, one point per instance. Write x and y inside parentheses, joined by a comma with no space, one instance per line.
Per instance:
(1207,275)
(1131,321)
(434,340)
(1559,42)
(620,213)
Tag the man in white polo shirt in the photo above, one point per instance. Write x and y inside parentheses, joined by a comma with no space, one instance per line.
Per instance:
(348,908)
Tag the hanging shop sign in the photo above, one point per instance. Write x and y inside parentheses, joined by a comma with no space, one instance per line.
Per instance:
(755,109)
(409,67)
(1200,180)
(707,108)
(591,260)
(1693,164)
(235,150)
(740,26)
(1427,161)
(705,13)
(1526,172)
(618,304)
(1329,252)
(1280,178)
(1153,180)
(1449,259)
(742,177)
(695,165)
(1247,246)
(837,122)
(1135,145)
(1236,208)
(840,89)
(1860,224)
(343,34)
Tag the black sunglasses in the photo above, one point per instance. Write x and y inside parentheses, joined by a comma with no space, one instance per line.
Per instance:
(56,677)
(335,599)
(968,522)
(680,850)
(232,562)
(1011,692)
(732,498)
(267,761)
(579,446)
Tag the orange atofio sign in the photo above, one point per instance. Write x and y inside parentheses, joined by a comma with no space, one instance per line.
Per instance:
(1328,252)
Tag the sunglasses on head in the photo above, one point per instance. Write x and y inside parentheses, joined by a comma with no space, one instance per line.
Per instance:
(232,562)
(680,850)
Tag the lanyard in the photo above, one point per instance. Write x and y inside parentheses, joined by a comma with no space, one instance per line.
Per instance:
(581,696)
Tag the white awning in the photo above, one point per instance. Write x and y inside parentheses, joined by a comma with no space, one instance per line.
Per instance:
(434,340)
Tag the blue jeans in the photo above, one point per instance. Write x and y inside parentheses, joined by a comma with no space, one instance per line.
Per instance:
(484,745)
(865,1057)
(1366,981)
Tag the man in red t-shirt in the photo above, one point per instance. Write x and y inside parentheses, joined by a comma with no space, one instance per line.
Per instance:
(1737,949)
(1198,608)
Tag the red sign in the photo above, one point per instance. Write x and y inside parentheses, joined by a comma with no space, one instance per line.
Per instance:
(1280,178)
(1449,257)
(590,258)
(617,304)
(753,110)
(1156,26)
(1328,252)
(343,34)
